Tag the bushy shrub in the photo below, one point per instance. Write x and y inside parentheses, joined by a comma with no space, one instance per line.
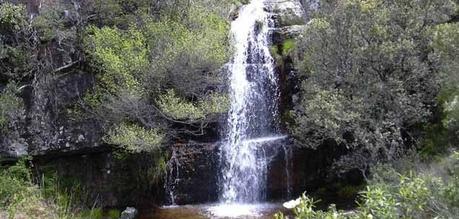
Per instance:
(19,197)
(426,193)
(177,108)
(305,210)
(12,17)
(135,138)
(121,57)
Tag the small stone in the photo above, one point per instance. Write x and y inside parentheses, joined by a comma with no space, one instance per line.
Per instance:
(129,213)
(292,204)
(81,138)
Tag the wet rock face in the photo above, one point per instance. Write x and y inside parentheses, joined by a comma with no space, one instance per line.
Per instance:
(46,125)
(51,126)
(111,180)
(192,174)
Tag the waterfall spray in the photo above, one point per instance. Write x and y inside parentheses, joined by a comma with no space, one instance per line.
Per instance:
(252,119)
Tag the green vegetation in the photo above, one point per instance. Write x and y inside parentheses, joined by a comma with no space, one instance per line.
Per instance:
(380,80)
(376,78)
(122,57)
(146,57)
(152,76)
(135,138)
(20,197)
(370,77)
(10,106)
(14,46)
(179,109)
(158,73)
(432,192)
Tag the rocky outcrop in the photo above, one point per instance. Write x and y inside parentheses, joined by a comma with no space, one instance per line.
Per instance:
(286,12)
(194,169)
(289,18)
(53,127)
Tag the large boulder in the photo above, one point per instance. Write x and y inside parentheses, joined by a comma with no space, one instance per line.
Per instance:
(286,12)
(289,19)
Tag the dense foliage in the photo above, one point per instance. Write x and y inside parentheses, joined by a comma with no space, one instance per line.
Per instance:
(159,71)
(372,74)
(157,64)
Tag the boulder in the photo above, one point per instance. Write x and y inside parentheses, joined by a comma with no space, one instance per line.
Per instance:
(289,32)
(286,12)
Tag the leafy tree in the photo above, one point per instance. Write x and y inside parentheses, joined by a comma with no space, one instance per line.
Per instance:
(369,70)
(121,56)
(446,46)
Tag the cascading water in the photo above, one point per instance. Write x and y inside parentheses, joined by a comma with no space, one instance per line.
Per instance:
(252,120)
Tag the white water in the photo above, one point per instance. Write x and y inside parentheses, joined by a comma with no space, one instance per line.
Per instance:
(252,120)
(239,210)
(265,139)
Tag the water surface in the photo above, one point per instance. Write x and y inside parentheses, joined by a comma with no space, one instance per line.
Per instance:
(216,211)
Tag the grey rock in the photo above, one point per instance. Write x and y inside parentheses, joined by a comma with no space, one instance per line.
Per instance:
(17,150)
(287,12)
(129,213)
(289,32)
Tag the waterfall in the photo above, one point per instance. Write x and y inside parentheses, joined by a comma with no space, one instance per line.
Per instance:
(172,177)
(252,119)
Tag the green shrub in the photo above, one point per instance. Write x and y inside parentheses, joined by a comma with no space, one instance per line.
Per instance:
(391,193)
(135,138)
(12,17)
(13,180)
(305,210)
(177,108)
(11,106)
(379,202)
(215,103)
(21,198)
(121,55)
